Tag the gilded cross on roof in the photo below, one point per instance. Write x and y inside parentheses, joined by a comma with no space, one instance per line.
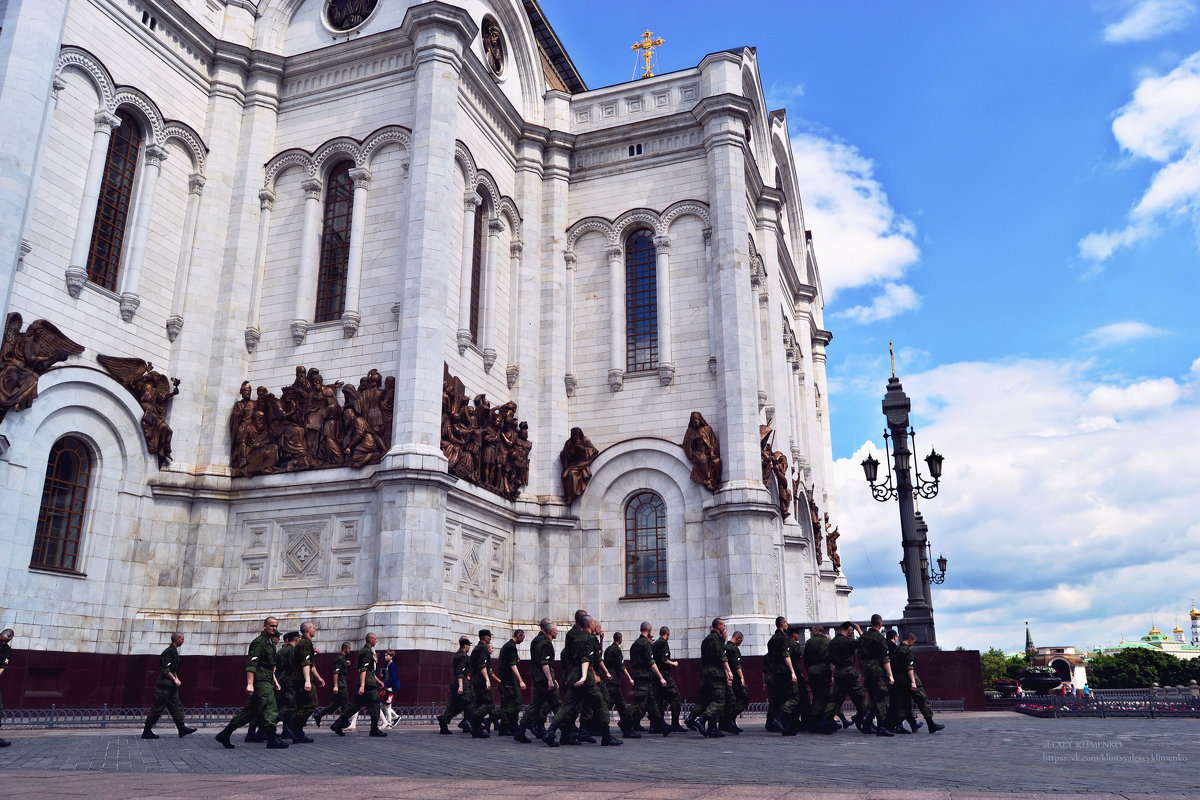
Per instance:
(646,48)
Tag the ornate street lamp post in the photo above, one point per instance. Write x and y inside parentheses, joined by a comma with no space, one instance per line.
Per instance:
(918,613)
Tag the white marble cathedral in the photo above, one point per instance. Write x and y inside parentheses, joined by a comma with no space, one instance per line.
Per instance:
(229,190)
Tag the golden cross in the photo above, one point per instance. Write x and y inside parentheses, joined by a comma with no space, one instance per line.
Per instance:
(646,46)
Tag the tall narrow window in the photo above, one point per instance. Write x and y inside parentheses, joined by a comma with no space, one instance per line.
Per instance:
(646,546)
(112,209)
(64,496)
(477,258)
(641,302)
(335,244)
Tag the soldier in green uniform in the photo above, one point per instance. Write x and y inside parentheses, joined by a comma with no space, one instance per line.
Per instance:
(816,664)
(260,707)
(459,701)
(715,678)
(341,696)
(285,674)
(546,698)
(877,671)
(368,691)
(166,691)
(781,679)
(843,649)
(305,683)
(614,663)
(483,703)
(796,654)
(646,682)
(904,669)
(511,684)
(668,692)
(580,662)
(6,637)
(736,698)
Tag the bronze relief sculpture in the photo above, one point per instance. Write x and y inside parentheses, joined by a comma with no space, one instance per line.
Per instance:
(25,357)
(484,446)
(152,391)
(342,15)
(775,463)
(831,542)
(576,457)
(815,514)
(305,427)
(702,448)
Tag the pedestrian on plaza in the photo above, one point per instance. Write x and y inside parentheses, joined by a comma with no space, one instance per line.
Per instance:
(306,681)
(166,691)
(546,698)
(6,637)
(736,698)
(647,680)
(796,655)
(816,665)
(261,685)
(459,701)
(843,652)
(368,691)
(391,687)
(668,692)
(341,696)
(511,684)
(876,669)
(580,663)
(915,690)
(781,679)
(614,663)
(483,703)
(715,679)
(286,672)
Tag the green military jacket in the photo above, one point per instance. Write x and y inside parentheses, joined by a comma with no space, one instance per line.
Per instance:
(816,654)
(712,656)
(733,654)
(306,656)
(662,653)
(641,656)
(260,658)
(481,663)
(902,661)
(168,663)
(842,650)
(778,647)
(585,648)
(509,658)
(460,667)
(614,662)
(366,663)
(541,653)
(872,649)
(340,668)
(796,654)
(285,664)
(569,642)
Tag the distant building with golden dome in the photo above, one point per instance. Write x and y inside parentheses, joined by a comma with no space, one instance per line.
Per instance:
(1157,640)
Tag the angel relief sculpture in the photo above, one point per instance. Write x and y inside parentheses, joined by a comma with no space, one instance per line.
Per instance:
(152,391)
(25,357)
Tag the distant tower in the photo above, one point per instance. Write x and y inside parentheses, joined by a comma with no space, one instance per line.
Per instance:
(1195,625)
(1031,651)
(1178,634)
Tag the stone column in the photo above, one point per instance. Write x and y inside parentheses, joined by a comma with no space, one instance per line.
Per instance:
(616,319)
(488,301)
(310,255)
(756,294)
(471,201)
(513,373)
(106,123)
(569,325)
(183,267)
(662,276)
(131,278)
(266,204)
(358,225)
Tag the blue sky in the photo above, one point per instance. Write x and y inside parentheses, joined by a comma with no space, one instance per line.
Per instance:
(1011,192)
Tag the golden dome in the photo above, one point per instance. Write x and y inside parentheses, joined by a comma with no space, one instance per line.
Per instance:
(1195,614)
(1154,631)
(1177,629)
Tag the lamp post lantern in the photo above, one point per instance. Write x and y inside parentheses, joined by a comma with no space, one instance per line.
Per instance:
(918,613)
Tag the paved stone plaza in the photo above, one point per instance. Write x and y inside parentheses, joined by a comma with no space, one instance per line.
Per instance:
(977,754)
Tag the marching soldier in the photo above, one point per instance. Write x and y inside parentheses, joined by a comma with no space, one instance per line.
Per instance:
(341,697)
(737,698)
(715,677)
(460,691)
(304,690)
(579,663)
(780,677)
(285,675)
(614,662)
(668,692)
(904,666)
(546,698)
(261,684)
(511,684)
(368,691)
(843,649)
(483,705)
(647,680)
(796,655)
(816,664)
(876,671)
(166,691)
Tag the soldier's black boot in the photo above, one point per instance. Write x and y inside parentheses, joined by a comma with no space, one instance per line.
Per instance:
(675,726)
(700,725)
(659,727)
(520,736)
(5,743)
(549,736)
(690,722)
(478,731)
(223,737)
(882,730)
(185,731)
(714,730)
(254,735)
(627,729)
(608,740)
(376,732)
(789,724)
(900,728)
(934,727)
(287,729)
(830,725)
(273,740)
(443,728)
(727,726)
(298,734)
(149,734)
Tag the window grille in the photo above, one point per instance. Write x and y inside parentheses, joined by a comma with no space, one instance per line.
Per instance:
(646,546)
(112,207)
(335,244)
(64,497)
(641,302)
(477,271)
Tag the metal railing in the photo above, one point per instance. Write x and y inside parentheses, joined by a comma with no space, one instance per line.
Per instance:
(1167,701)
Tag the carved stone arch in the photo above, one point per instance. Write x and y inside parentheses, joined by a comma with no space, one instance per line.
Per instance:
(589,225)
(462,156)
(685,208)
(191,142)
(610,488)
(485,184)
(637,218)
(328,153)
(524,56)
(392,134)
(92,69)
(288,158)
(752,91)
(146,109)
(508,209)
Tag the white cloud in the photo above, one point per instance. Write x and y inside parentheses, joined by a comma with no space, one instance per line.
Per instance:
(1119,333)
(1149,19)
(1160,123)
(1070,502)
(781,95)
(896,299)
(859,238)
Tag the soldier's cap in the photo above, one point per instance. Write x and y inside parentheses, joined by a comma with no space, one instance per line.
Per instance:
(463,640)
(290,635)
(484,632)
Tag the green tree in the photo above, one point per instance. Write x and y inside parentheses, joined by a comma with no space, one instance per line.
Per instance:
(1138,668)
(993,664)
(1014,665)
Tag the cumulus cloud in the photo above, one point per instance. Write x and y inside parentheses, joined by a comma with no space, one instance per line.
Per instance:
(1161,123)
(859,238)
(1065,500)
(1119,333)
(896,299)
(1149,19)
(781,95)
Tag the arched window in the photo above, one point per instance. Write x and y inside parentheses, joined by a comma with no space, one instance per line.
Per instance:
(112,208)
(641,302)
(335,244)
(646,546)
(64,496)
(477,259)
